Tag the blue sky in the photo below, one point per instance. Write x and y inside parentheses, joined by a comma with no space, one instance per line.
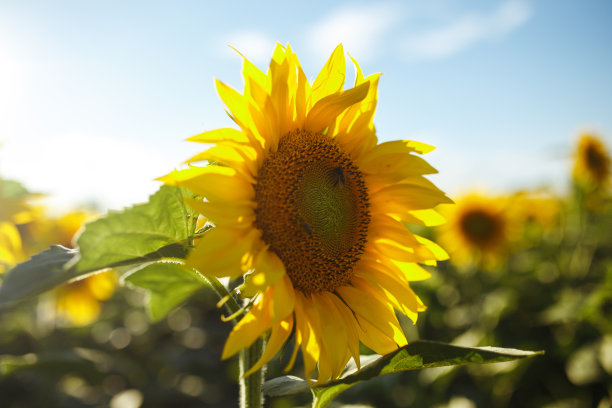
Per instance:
(96,98)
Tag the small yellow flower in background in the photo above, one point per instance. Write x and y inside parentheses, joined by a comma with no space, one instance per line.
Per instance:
(310,207)
(479,230)
(11,252)
(591,163)
(80,302)
(15,210)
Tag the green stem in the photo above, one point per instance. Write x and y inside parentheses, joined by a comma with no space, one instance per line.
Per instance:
(231,306)
(250,387)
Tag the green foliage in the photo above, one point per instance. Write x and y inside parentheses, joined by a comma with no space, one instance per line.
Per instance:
(168,285)
(159,229)
(414,356)
(41,273)
(11,189)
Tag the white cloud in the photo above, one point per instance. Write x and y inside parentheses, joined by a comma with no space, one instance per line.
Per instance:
(466,31)
(78,168)
(254,45)
(360,29)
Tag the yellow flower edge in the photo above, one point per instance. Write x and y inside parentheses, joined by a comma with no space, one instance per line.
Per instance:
(313,211)
(591,162)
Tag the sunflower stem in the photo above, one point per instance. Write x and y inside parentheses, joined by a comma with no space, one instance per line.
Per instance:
(231,304)
(250,386)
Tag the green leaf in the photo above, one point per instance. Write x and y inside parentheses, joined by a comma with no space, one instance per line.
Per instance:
(283,386)
(414,356)
(168,284)
(10,189)
(159,229)
(42,272)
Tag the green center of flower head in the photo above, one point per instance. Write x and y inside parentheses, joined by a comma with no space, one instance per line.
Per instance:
(312,209)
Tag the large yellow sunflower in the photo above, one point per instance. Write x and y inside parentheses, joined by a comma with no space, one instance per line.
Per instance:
(592,162)
(312,211)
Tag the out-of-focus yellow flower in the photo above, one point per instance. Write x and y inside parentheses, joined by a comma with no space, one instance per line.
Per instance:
(478,230)
(537,212)
(10,246)
(15,209)
(80,301)
(591,163)
(312,208)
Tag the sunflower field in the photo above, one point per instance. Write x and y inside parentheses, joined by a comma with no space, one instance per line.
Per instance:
(296,261)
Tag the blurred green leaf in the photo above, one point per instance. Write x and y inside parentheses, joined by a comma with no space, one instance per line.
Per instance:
(12,189)
(42,272)
(168,284)
(159,229)
(414,356)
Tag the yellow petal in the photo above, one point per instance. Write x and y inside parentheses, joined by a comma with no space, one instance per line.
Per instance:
(367,307)
(402,197)
(248,329)
(278,337)
(310,347)
(334,334)
(224,252)
(212,182)
(268,269)
(283,301)
(241,158)
(220,135)
(408,270)
(279,94)
(383,227)
(325,111)
(331,78)
(435,249)
(350,326)
(301,93)
(229,214)
(397,292)
(429,217)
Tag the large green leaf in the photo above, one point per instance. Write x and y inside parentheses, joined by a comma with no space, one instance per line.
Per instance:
(416,355)
(159,229)
(168,285)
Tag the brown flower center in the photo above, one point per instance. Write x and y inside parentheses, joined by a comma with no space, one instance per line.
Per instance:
(312,207)
(481,228)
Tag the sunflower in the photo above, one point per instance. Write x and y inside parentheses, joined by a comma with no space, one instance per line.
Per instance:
(14,211)
(11,252)
(312,211)
(479,230)
(80,302)
(592,163)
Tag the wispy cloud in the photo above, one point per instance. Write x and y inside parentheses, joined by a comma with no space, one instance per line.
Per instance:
(361,30)
(255,45)
(465,31)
